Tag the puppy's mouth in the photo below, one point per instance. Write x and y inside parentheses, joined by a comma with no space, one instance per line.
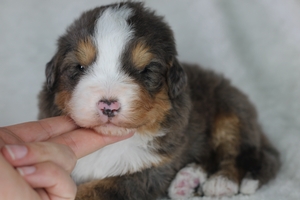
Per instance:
(106,126)
(111,129)
(112,125)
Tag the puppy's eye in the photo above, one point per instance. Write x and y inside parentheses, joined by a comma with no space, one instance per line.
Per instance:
(152,67)
(80,68)
(153,76)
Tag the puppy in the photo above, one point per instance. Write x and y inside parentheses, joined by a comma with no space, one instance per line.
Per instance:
(116,71)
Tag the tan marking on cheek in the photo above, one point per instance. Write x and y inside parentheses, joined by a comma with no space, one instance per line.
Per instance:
(149,111)
(141,55)
(61,100)
(86,52)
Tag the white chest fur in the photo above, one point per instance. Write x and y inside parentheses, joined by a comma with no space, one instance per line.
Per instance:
(128,156)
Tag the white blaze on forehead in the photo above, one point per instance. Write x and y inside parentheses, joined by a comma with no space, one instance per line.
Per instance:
(104,78)
(112,34)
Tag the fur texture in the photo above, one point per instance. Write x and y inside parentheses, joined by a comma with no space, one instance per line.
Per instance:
(116,71)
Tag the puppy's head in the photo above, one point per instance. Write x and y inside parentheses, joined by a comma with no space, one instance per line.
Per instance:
(116,70)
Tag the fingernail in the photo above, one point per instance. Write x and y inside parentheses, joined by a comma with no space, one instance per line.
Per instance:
(26,170)
(16,151)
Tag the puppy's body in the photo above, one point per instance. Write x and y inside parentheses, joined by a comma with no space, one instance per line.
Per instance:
(116,72)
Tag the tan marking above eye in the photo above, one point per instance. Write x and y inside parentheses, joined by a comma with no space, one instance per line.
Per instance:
(86,52)
(141,55)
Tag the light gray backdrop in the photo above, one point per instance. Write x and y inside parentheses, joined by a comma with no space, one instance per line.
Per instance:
(256,43)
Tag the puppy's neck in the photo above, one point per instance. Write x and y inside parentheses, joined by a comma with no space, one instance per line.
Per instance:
(127,156)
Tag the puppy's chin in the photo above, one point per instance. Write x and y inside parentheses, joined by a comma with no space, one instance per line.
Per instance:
(110,129)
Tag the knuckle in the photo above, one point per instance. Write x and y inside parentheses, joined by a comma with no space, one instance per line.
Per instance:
(70,158)
(59,176)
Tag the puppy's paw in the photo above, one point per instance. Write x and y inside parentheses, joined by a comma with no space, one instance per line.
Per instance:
(185,182)
(218,186)
(249,186)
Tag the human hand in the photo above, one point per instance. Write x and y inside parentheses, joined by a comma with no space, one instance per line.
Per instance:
(45,166)
(42,171)
(60,130)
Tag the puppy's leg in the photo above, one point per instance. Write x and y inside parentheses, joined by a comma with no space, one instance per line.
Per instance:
(99,189)
(186,181)
(112,188)
(241,148)
(148,184)
(225,141)
(261,165)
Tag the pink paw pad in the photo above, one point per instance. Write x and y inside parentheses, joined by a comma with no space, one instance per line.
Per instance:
(186,181)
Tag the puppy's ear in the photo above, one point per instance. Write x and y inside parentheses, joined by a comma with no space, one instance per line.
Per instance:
(51,68)
(177,79)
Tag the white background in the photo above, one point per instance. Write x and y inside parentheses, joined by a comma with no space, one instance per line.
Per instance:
(255,43)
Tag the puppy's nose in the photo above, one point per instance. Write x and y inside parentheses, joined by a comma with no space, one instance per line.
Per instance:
(109,107)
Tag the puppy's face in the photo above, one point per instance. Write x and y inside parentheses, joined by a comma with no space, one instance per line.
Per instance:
(115,70)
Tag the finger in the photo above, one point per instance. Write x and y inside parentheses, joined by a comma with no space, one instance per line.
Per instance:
(86,141)
(41,130)
(52,178)
(42,193)
(31,153)
(2,143)
(11,181)
(7,137)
